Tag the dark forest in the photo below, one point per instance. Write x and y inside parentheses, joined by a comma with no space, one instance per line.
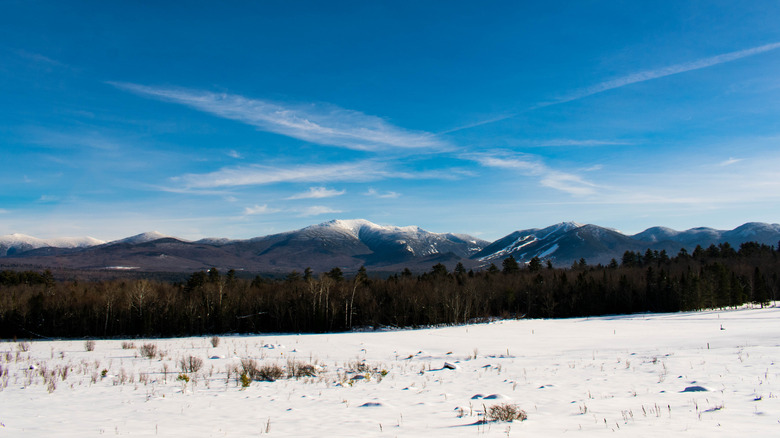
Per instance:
(36,305)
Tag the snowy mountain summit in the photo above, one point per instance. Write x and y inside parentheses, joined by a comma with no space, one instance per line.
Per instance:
(11,244)
(142,238)
(356,226)
(569,242)
(526,244)
(395,241)
(350,244)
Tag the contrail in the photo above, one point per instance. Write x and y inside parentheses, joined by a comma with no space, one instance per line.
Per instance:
(663,72)
(633,79)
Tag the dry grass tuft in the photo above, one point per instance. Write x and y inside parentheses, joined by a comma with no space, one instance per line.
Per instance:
(297,369)
(270,373)
(190,364)
(249,368)
(148,351)
(505,412)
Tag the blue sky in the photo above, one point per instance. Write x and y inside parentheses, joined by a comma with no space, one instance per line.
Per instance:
(201,119)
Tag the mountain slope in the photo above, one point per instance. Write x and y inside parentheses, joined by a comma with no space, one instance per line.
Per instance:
(566,243)
(352,243)
(142,238)
(562,244)
(349,244)
(523,245)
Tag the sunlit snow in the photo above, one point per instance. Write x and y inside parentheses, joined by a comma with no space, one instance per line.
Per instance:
(712,373)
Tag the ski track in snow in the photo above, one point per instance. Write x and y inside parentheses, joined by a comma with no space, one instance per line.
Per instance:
(713,373)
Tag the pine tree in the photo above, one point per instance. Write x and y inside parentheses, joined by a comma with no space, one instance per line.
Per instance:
(510,265)
(439,270)
(335,274)
(535,264)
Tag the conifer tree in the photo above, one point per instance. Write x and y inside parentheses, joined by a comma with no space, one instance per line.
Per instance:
(510,265)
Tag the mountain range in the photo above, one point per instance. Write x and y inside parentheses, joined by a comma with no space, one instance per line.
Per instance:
(349,244)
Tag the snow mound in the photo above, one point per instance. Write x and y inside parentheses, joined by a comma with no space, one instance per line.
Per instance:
(496,397)
(695,388)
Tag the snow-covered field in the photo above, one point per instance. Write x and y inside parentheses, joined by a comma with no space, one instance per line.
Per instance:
(713,373)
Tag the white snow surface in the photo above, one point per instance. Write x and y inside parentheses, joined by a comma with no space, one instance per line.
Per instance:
(58,242)
(549,251)
(149,236)
(353,227)
(712,373)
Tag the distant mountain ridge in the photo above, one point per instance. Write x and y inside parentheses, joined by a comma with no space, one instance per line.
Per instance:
(349,244)
(565,243)
(18,243)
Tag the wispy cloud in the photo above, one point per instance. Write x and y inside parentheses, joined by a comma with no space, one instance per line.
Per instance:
(730,161)
(48,199)
(523,163)
(317,210)
(260,175)
(574,142)
(382,195)
(531,166)
(317,193)
(260,209)
(314,210)
(567,182)
(234,154)
(663,72)
(225,194)
(359,171)
(480,123)
(62,140)
(38,58)
(317,123)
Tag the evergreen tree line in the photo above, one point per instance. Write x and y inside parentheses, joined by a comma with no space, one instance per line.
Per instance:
(36,305)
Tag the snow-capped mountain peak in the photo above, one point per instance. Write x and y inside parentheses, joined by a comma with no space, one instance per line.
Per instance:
(58,242)
(355,226)
(142,238)
(566,226)
(394,242)
(20,238)
(351,226)
(753,228)
(17,243)
(74,242)
(352,243)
